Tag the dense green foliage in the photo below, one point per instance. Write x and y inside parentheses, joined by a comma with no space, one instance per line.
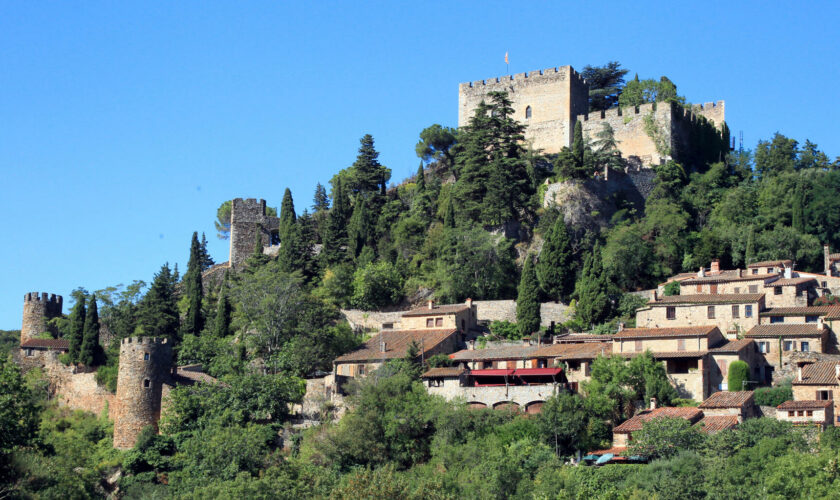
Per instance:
(527,301)
(739,375)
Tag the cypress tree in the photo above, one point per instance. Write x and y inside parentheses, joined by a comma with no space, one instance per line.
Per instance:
(287,213)
(206,260)
(527,301)
(77,328)
(89,351)
(335,231)
(555,267)
(449,214)
(592,291)
(194,289)
(421,178)
(360,228)
(223,310)
(578,145)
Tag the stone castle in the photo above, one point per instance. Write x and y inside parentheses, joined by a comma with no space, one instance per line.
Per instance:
(248,221)
(550,101)
(146,372)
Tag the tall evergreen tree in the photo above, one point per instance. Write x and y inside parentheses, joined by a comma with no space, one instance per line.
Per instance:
(157,312)
(527,301)
(335,233)
(556,266)
(223,310)
(320,202)
(592,291)
(89,353)
(420,178)
(194,289)
(77,327)
(367,174)
(449,214)
(578,144)
(605,84)
(360,229)
(206,260)
(287,213)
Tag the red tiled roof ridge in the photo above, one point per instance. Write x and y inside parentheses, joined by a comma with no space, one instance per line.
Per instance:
(785,329)
(708,298)
(436,309)
(716,423)
(46,343)
(766,263)
(691,331)
(396,344)
(802,404)
(727,399)
(689,413)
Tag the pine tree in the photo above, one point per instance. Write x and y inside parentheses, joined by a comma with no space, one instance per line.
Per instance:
(556,266)
(592,291)
(223,310)
(334,237)
(77,328)
(206,260)
(527,301)
(449,214)
(158,313)
(367,174)
(194,289)
(320,202)
(89,353)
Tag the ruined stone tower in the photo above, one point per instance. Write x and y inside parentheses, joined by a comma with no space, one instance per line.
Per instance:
(37,310)
(145,366)
(248,220)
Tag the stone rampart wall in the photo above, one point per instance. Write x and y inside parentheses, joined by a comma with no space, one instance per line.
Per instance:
(522,395)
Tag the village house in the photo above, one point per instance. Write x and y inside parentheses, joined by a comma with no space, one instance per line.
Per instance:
(776,342)
(388,345)
(738,404)
(735,350)
(807,413)
(34,352)
(575,354)
(731,313)
(818,382)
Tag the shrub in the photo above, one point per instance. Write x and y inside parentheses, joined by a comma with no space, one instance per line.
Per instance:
(106,376)
(739,372)
(773,396)
(672,288)
(505,330)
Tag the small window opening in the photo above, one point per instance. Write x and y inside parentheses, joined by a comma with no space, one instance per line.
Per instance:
(147,383)
(528,112)
(145,356)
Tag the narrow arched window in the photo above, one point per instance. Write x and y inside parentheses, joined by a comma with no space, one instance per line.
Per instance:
(528,112)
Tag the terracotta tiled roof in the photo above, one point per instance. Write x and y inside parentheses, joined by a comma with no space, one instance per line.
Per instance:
(784,330)
(437,310)
(676,332)
(443,371)
(666,354)
(634,424)
(799,311)
(804,405)
(615,450)
(712,424)
(729,277)
(679,277)
(60,344)
(708,298)
(732,346)
(822,373)
(396,344)
(834,256)
(727,399)
(573,338)
(492,353)
(589,350)
(790,282)
(771,263)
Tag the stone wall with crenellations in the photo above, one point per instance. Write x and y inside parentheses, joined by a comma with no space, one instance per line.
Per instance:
(248,221)
(37,310)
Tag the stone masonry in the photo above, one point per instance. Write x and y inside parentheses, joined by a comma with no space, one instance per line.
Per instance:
(145,366)
(37,310)
(248,221)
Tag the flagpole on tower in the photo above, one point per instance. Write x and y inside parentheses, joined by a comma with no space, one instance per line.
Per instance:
(507,63)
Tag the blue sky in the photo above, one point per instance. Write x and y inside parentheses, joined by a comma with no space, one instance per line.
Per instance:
(123,126)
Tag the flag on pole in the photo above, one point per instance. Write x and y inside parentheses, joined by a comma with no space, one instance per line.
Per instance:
(506,58)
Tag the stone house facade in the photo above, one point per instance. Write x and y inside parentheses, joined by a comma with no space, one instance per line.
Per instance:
(807,413)
(818,382)
(731,313)
(777,342)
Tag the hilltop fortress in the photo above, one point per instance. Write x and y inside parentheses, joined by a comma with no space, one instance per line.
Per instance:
(550,101)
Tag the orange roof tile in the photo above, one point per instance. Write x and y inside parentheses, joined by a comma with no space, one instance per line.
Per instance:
(799,311)
(396,344)
(589,350)
(733,346)
(436,310)
(634,424)
(677,332)
(708,298)
(771,263)
(784,330)
(790,282)
(804,405)
(728,399)
(821,373)
(60,344)
(713,424)
(443,371)
(493,353)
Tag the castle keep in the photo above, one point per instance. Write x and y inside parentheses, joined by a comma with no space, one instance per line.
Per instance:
(550,101)
(37,310)
(248,221)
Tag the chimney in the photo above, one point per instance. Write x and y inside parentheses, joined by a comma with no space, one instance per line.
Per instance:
(381,346)
(555,339)
(431,304)
(826,261)
(788,272)
(715,268)
(799,373)
(652,403)
(468,302)
(471,345)
(620,326)
(655,294)
(701,273)
(837,371)
(740,273)
(526,341)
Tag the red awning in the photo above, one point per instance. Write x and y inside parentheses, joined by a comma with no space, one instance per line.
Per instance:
(524,372)
(491,373)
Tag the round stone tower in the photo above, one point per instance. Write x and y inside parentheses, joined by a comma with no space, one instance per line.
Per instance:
(145,365)
(37,310)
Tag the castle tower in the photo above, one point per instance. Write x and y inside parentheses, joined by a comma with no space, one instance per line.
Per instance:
(145,365)
(37,310)
(247,221)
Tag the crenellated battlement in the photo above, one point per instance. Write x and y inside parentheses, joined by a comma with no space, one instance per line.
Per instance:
(536,76)
(47,298)
(630,111)
(145,340)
